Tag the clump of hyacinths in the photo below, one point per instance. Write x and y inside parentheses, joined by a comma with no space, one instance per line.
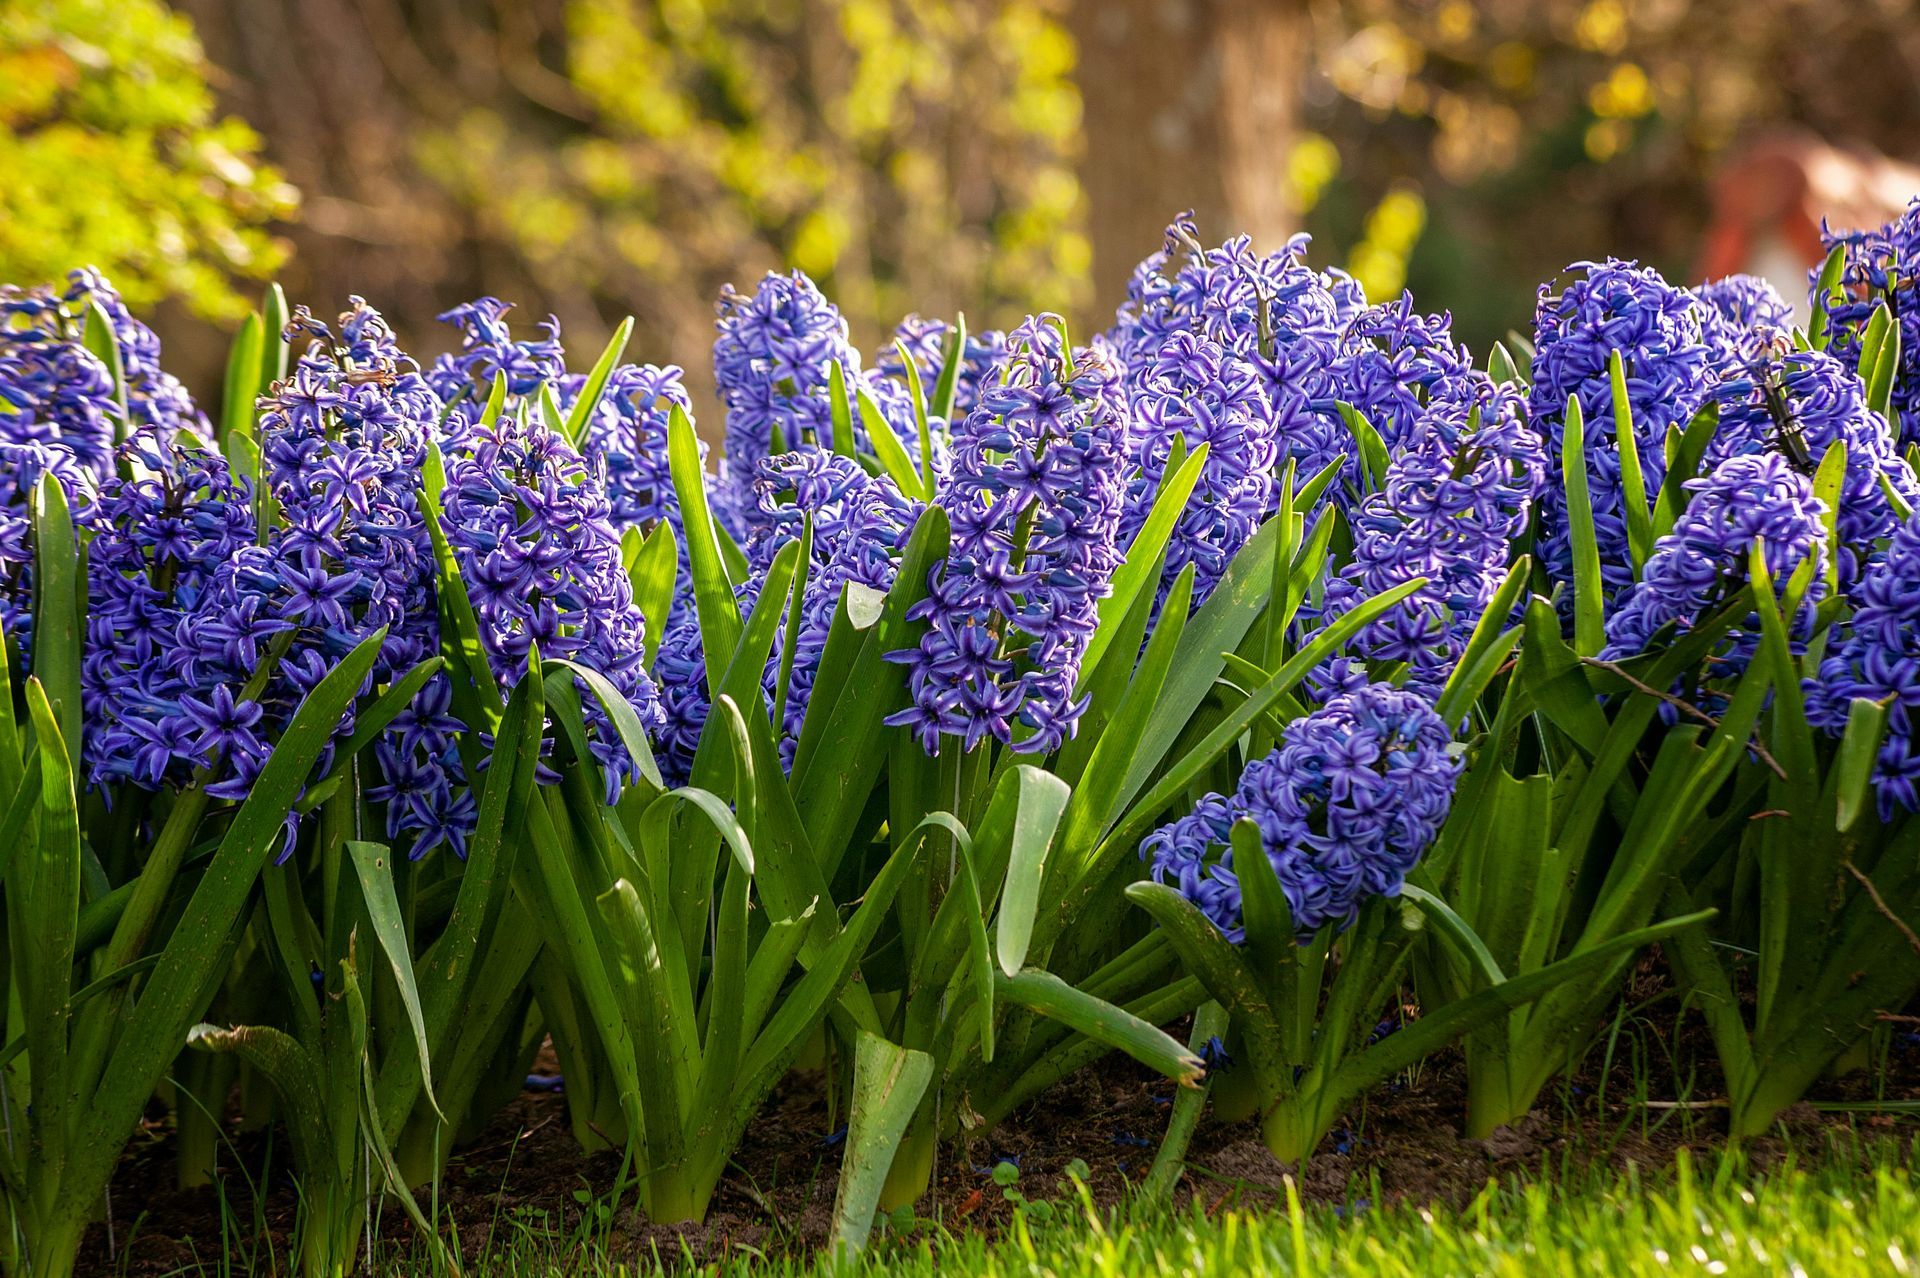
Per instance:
(1034,495)
(1745,313)
(1290,901)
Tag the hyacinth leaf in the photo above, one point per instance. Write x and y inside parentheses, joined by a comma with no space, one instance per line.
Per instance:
(1880,387)
(620,711)
(372,867)
(742,682)
(1632,482)
(1042,799)
(1140,569)
(653,569)
(1220,965)
(1373,449)
(1097,793)
(887,448)
(103,344)
(273,331)
(796,609)
(1501,367)
(1309,493)
(294,1075)
(46,879)
(947,385)
(478,694)
(550,414)
(591,390)
(1828,481)
(1826,291)
(496,404)
(1854,762)
(840,409)
(713,595)
(242,381)
(1487,648)
(1901,509)
(59,608)
(888,1082)
(1683,463)
(1047,994)
(202,941)
(1873,353)
(1271,942)
(917,391)
(1589,599)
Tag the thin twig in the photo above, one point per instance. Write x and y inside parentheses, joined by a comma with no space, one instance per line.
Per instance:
(1686,708)
(1880,904)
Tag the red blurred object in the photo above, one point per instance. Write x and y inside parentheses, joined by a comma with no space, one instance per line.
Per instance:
(1770,196)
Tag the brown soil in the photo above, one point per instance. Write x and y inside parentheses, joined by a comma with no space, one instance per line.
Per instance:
(526,1174)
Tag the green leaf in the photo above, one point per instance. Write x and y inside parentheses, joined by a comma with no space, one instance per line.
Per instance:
(1047,994)
(1886,368)
(887,448)
(888,1082)
(620,711)
(1140,569)
(1826,290)
(840,409)
(575,426)
(653,565)
(371,866)
(1589,598)
(45,887)
(944,386)
(1854,763)
(1487,647)
(273,345)
(1683,464)
(1043,797)
(98,337)
(242,380)
(1633,485)
(1373,449)
(713,598)
(59,608)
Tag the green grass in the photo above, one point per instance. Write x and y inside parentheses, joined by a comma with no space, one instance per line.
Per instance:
(1856,1216)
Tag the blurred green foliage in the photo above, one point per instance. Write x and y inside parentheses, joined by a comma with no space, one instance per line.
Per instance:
(905,153)
(114,157)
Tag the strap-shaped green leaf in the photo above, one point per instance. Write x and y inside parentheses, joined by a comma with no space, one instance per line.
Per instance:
(1853,764)
(1043,797)
(1632,483)
(273,346)
(888,1082)
(1372,448)
(1047,994)
(591,390)
(1827,290)
(59,609)
(713,597)
(1589,599)
(1143,558)
(887,448)
(372,867)
(242,381)
(653,566)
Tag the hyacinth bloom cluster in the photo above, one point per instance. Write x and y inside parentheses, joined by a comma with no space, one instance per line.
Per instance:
(488,350)
(541,560)
(22,466)
(1393,364)
(1274,313)
(773,364)
(1875,654)
(160,541)
(1660,333)
(926,342)
(1744,313)
(1703,562)
(1457,493)
(1034,496)
(1881,266)
(1196,392)
(1799,404)
(1346,806)
(626,440)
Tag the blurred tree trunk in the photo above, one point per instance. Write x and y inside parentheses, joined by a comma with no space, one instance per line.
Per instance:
(1189,104)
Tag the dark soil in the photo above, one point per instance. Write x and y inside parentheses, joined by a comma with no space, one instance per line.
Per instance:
(1644,1094)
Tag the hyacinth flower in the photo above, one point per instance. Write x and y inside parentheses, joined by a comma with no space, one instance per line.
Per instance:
(1878,266)
(22,466)
(1660,335)
(774,358)
(1704,562)
(1744,313)
(1034,496)
(1273,312)
(533,536)
(463,379)
(1798,405)
(626,440)
(1457,494)
(1394,364)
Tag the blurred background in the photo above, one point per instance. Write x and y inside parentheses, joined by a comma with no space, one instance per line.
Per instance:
(594,158)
